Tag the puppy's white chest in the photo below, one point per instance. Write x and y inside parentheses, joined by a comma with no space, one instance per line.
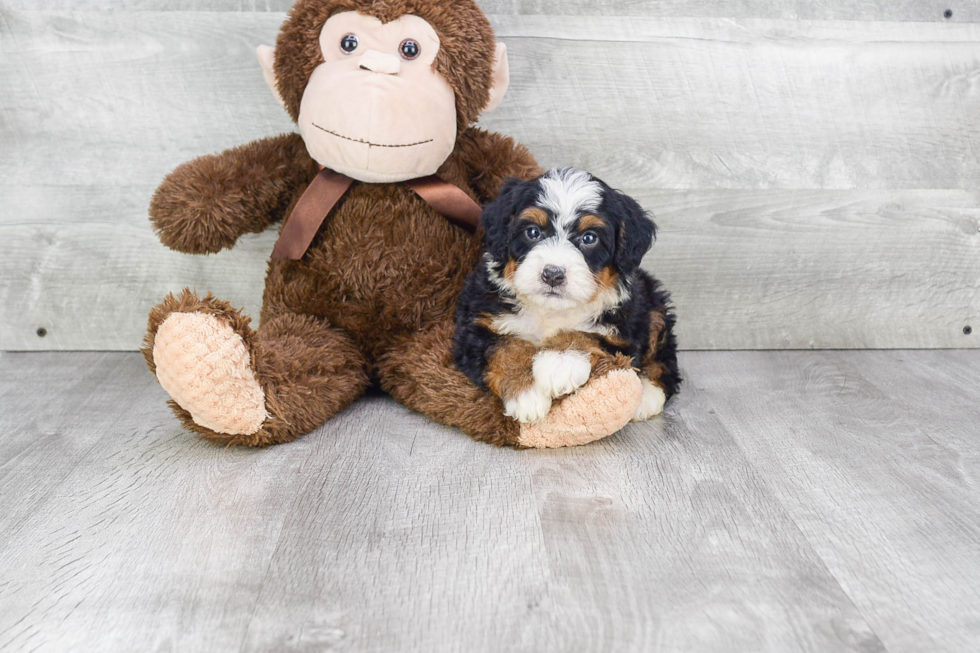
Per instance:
(537,325)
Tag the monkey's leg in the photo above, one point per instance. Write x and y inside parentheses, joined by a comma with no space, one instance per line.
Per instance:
(237,386)
(419,372)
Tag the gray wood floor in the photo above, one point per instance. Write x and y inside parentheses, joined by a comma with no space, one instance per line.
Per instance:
(815,501)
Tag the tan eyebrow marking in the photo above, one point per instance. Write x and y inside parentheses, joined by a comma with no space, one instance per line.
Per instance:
(590,222)
(535,215)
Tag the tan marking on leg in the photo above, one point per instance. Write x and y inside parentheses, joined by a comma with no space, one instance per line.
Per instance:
(204,366)
(510,368)
(658,322)
(486,321)
(650,368)
(579,340)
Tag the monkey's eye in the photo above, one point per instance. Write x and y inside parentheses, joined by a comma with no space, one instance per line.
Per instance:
(532,233)
(410,49)
(349,43)
(590,238)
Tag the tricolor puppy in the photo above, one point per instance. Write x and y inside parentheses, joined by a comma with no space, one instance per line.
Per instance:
(558,289)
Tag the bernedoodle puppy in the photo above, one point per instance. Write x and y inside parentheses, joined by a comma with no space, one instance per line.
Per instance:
(560,296)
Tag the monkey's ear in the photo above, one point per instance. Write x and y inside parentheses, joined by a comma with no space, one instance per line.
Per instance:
(267,59)
(501,77)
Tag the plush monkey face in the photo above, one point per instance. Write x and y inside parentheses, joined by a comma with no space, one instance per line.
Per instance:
(377,104)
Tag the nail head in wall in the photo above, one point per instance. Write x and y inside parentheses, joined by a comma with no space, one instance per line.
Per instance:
(967,330)
(948,14)
(42,332)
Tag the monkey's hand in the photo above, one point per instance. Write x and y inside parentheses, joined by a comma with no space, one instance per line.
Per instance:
(207,204)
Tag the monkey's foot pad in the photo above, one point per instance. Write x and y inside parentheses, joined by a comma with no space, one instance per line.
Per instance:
(204,365)
(599,409)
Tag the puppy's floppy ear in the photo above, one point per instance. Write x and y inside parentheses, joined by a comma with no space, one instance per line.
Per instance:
(635,231)
(497,216)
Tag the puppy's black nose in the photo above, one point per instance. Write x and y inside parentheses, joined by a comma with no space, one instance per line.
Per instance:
(553,275)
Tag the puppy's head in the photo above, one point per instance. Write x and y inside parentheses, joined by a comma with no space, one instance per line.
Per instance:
(565,240)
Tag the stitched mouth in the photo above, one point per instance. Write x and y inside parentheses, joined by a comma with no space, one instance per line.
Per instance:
(369,143)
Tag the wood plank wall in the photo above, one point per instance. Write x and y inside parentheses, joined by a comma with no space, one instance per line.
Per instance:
(813,165)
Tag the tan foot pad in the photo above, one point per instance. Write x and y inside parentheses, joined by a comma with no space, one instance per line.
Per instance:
(204,366)
(600,408)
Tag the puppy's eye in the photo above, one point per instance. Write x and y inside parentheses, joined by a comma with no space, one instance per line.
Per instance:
(349,43)
(590,238)
(533,233)
(410,49)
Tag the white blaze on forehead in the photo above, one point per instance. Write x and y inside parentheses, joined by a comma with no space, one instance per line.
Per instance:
(567,193)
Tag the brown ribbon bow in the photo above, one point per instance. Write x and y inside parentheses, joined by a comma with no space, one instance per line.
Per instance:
(328,187)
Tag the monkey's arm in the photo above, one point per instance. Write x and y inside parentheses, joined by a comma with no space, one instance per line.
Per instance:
(205,205)
(490,158)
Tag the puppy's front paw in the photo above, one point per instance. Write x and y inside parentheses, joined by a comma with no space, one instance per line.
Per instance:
(652,403)
(529,407)
(558,373)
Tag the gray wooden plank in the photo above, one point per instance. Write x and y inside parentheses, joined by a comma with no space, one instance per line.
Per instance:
(820,269)
(120,531)
(897,10)
(724,122)
(701,103)
(748,269)
(568,555)
(412,539)
(664,538)
(705,103)
(883,487)
(382,531)
(90,287)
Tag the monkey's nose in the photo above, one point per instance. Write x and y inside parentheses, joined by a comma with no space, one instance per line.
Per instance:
(553,275)
(379,62)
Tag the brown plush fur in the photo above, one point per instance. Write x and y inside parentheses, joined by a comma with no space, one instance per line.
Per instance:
(204,206)
(308,370)
(373,300)
(419,372)
(381,277)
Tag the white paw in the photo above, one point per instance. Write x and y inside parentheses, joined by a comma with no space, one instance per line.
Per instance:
(652,403)
(558,373)
(528,407)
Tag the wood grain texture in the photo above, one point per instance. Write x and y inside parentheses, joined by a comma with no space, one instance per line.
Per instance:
(815,180)
(875,456)
(748,269)
(874,10)
(788,501)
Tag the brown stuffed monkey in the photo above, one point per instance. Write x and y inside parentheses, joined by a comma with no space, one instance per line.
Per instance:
(384,92)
